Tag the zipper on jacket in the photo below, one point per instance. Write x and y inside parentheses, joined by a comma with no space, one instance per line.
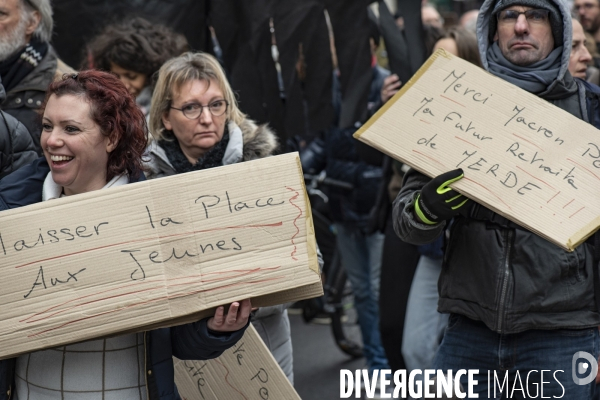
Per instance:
(146,367)
(505,276)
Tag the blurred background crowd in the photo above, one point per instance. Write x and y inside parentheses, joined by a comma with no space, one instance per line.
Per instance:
(314,71)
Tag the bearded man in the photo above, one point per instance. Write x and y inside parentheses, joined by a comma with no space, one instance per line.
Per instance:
(28,64)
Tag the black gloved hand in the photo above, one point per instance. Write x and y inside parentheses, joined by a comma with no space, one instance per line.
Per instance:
(437,202)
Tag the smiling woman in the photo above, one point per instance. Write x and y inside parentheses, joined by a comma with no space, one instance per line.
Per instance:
(93,138)
(92,133)
(74,146)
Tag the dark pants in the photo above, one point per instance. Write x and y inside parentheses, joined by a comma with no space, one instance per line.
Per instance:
(530,360)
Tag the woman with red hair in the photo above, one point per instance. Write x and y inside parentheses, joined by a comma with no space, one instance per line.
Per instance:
(93,137)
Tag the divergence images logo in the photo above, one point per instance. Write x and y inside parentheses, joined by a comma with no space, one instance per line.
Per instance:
(582,367)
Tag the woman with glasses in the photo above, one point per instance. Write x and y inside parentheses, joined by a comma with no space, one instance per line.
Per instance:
(196,125)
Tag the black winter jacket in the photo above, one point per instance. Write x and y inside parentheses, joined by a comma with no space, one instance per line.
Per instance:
(504,275)
(16,145)
(24,100)
(343,164)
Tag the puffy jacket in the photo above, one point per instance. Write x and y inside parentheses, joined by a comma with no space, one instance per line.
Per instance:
(187,342)
(495,271)
(16,145)
(246,142)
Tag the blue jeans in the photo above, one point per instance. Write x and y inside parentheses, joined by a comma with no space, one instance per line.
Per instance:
(469,344)
(424,325)
(361,257)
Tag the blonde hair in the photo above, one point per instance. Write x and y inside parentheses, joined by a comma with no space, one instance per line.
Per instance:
(175,73)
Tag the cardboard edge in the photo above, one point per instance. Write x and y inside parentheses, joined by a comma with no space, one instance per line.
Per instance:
(583,234)
(255,337)
(311,240)
(288,295)
(403,89)
(569,246)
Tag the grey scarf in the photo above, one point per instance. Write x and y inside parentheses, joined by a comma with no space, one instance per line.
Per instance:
(534,78)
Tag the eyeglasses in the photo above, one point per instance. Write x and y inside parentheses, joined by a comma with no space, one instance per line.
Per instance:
(533,16)
(586,6)
(194,110)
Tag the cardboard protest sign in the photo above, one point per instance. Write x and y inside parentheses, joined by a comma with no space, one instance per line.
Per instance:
(155,253)
(524,158)
(246,371)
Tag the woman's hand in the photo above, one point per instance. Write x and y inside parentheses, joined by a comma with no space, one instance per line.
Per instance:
(390,87)
(236,318)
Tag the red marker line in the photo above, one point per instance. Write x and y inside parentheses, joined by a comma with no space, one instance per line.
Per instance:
(276,224)
(494,194)
(474,145)
(528,141)
(296,219)
(576,211)
(138,291)
(227,379)
(192,278)
(553,197)
(422,120)
(448,98)
(84,297)
(545,183)
(223,278)
(29,321)
(431,158)
(568,203)
(240,270)
(581,166)
(147,302)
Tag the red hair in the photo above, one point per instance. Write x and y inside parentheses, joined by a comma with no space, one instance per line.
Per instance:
(116,113)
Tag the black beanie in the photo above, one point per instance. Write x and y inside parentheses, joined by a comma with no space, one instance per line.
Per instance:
(556,19)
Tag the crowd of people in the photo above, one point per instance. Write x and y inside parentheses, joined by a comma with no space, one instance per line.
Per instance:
(434,275)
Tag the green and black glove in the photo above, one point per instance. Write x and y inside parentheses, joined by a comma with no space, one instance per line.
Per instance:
(437,202)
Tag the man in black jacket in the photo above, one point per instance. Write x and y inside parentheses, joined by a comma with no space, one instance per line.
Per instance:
(521,308)
(16,145)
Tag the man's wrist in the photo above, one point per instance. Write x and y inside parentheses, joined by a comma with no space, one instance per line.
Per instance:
(419,213)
